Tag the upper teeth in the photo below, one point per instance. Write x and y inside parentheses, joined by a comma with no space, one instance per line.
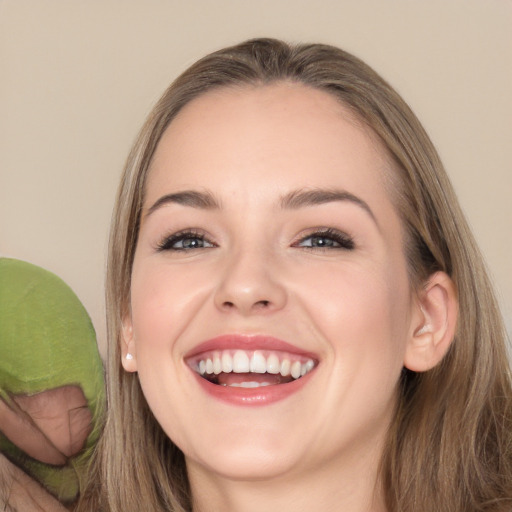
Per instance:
(241,361)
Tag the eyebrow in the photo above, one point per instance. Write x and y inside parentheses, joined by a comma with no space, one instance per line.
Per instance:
(192,198)
(293,200)
(311,197)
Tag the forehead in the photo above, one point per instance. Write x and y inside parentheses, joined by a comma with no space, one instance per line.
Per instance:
(282,134)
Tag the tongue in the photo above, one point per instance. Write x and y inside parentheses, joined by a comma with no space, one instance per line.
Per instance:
(227,379)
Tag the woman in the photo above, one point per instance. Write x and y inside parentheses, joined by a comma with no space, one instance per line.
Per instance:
(298,315)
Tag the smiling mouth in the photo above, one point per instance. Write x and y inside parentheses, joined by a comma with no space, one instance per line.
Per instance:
(250,368)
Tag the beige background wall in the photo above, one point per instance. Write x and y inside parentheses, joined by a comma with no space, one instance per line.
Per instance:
(77,78)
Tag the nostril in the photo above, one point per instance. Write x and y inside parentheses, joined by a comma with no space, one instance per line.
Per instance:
(257,304)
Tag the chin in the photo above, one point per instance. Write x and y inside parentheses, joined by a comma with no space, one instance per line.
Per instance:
(249,463)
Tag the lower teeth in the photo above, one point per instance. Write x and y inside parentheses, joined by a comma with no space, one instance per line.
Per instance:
(248,380)
(247,384)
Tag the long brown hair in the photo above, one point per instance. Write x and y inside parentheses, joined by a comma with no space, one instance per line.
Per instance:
(450,445)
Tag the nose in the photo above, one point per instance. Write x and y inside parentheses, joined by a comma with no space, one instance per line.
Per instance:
(250,285)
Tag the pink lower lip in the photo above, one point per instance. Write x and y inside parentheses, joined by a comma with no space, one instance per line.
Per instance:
(263,395)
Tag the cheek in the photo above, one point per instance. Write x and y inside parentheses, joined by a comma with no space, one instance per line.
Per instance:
(360,315)
(362,311)
(151,296)
(163,302)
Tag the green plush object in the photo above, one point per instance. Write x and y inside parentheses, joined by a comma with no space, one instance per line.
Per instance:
(51,378)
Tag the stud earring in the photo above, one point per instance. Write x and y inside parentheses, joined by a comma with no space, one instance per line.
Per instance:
(129,356)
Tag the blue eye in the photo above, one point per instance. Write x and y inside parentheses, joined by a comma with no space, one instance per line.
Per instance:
(185,241)
(327,239)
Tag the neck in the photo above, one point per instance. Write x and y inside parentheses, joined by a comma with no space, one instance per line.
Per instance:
(355,487)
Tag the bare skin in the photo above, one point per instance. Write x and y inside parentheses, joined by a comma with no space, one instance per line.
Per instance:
(20,493)
(51,427)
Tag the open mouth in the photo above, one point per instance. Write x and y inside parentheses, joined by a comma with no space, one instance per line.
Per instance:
(250,368)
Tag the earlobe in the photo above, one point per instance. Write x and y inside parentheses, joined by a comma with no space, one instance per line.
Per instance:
(128,359)
(433,323)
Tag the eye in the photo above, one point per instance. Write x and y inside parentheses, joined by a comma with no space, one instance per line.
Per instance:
(327,238)
(185,241)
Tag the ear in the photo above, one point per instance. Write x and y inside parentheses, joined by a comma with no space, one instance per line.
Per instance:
(128,356)
(433,323)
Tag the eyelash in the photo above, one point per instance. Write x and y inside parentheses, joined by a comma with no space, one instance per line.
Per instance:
(341,240)
(168,242)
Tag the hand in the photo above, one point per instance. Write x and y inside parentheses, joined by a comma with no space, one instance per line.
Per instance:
(20,493)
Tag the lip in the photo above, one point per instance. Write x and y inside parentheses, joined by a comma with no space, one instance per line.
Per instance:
(259,396)
(247,342)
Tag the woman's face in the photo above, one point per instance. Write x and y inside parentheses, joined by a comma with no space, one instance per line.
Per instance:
(269,249)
